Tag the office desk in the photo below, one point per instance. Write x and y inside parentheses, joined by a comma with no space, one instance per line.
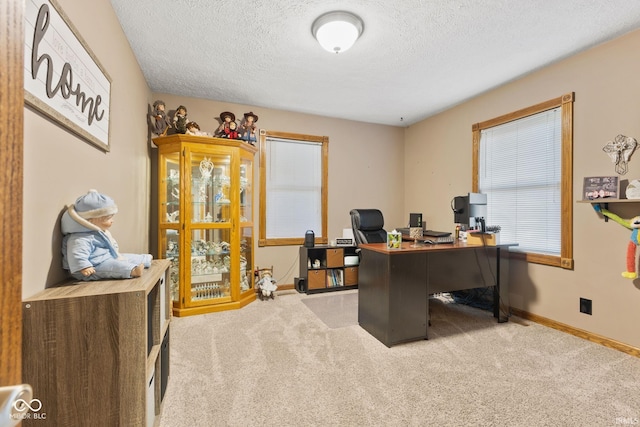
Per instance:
(394,284)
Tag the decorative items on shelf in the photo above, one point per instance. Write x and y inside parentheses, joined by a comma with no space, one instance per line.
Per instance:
(228,127)
(600,187)
(193,128)
(633,189)
(248,128)
(632,224)
(620,151)
(158,120)
(180,119)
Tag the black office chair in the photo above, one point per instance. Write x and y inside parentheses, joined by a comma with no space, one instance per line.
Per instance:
(368,226)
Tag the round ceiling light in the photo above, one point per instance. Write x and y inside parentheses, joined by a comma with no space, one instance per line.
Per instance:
(337,31)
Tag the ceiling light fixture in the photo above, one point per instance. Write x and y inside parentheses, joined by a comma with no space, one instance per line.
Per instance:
(337,31)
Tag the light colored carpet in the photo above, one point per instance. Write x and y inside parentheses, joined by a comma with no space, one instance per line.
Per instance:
(276,363)
(336,309)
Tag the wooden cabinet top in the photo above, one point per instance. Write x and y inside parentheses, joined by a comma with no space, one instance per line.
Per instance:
(75,289)
(181,138)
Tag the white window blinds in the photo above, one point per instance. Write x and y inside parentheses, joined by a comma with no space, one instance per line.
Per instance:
(293,188)
(520,171)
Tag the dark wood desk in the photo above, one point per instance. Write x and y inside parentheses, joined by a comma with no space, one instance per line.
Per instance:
(395,284)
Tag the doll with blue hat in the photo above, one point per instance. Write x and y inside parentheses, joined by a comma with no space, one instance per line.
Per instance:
(89,251)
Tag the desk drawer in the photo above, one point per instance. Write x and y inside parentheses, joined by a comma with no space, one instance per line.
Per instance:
(335,257)
(350,276)
(317,279)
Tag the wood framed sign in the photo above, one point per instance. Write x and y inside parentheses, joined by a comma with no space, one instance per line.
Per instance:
(62,77)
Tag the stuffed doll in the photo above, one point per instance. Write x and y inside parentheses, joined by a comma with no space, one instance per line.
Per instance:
(228,127)
(248,128)
(158,120)
(632,224)
(266,285)
(180,119)
(89,251)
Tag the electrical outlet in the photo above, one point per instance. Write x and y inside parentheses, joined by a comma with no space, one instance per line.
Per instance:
(585,306)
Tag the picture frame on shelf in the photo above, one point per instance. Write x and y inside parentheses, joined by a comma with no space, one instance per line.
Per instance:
(600,187)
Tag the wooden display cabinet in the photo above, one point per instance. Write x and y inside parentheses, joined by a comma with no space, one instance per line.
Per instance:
(97,353)
(322,268)
(205,198)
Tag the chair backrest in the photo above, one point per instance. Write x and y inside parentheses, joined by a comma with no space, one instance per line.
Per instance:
(368,226)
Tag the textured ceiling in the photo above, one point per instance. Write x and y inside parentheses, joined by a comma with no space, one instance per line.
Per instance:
(414,59)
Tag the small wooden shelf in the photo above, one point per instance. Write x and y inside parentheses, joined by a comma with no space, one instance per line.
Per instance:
(331,274)
(605,202)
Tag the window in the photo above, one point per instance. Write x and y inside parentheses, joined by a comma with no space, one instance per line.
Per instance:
(293,188)
(523,162)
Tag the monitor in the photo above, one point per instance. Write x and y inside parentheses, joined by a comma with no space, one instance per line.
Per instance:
(469,211)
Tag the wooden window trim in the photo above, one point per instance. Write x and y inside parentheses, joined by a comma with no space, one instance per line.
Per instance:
(565,260)
(262,238)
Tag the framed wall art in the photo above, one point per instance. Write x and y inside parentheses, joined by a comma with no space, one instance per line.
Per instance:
(63,79)
(600,187)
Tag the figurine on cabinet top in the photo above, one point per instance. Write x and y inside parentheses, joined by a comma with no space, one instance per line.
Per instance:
(228,127)
(193,128)
(89,251)
(158,120)
(248,128)
(180,119)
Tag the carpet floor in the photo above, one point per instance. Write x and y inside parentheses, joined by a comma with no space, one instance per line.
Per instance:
(302,360)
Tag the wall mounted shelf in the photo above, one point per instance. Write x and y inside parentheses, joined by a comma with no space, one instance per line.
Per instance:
(605,203)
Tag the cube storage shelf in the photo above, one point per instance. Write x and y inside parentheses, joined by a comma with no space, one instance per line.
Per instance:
(97,353)
(322,269)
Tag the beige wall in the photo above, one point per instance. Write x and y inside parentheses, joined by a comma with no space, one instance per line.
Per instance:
(607,103)
(357,154)
(397,170)
(59,167)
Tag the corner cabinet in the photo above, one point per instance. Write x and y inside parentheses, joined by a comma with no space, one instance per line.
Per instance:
(205,197)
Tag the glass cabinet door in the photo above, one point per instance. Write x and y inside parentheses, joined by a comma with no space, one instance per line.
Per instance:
(246,192)
(210,266)
(170,188)
(246,259)
(170,242)
(210,184)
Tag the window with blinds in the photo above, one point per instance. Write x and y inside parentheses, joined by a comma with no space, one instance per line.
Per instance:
(293,188)
(520,172)
(523,163)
